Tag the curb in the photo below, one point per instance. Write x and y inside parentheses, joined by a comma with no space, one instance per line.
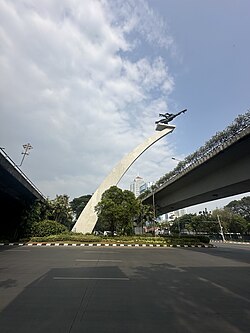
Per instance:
(231,242)
(107,245)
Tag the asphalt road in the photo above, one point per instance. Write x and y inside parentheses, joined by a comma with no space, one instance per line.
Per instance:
(96,290)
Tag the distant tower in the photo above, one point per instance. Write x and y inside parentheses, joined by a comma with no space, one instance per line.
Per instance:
(135,186)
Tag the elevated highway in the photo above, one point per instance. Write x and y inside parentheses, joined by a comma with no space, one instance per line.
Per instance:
(16,193)
(224,173)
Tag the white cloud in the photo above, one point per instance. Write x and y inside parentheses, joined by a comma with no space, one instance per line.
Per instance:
(70,88)
(138,16)
(150,75)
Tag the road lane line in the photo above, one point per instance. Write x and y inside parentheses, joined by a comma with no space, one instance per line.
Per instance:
(18,250)
(89,278)
(95,260)
(224,289)
(178,269)
(97,251)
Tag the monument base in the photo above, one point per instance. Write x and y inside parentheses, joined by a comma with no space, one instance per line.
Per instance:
(161,126)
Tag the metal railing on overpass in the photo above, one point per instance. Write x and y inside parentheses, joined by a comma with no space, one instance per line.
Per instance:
(220,141)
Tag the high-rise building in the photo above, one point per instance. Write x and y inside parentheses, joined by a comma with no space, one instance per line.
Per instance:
(136,184)
(145,186)
(178,213)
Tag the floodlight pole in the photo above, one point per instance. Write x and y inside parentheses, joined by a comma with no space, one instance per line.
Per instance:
(26,147)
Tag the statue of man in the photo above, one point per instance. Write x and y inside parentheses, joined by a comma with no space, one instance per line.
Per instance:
(168,117)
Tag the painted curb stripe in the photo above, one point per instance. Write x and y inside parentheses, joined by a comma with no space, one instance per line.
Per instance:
(106,245)
(231,242)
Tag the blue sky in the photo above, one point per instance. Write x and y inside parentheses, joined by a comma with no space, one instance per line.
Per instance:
(212,77)
(84,81)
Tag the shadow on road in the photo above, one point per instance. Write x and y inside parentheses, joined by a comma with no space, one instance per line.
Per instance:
(195,299)
(226,252)
(157,298)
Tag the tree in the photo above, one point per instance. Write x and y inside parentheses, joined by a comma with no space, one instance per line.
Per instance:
(204,222)
(175,228)
(117,210)
(130,212)
(36,212)
(232,223)
(109,209)
(240,207)
(237,225)
(146,214)
(181,223)
(185,221)
(78,204)
(60,210)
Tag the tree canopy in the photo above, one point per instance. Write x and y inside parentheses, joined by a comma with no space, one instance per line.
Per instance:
(234,219)
(117,211)
(240,207)
(78,204)
(57,210)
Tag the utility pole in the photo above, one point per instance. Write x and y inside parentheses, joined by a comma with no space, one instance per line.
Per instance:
(154,214)
(221,229)
(26,147)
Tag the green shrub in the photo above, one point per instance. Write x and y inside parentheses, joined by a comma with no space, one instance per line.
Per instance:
(68,237)
(72,237)
(203,239)
(187,239)
(47,228)
(198,238)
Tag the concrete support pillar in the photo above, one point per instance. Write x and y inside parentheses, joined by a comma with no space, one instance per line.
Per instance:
(88,218)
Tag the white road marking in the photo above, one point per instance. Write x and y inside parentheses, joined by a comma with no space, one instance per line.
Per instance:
(18,250)
(94,252)
(89,278)
(95,260)
(178,269)
(224,289)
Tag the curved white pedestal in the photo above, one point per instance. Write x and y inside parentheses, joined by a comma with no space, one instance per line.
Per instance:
(88,218)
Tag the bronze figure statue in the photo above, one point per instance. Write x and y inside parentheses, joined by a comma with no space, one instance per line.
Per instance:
(168,117)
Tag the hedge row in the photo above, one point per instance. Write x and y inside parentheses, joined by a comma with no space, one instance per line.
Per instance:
(73,237)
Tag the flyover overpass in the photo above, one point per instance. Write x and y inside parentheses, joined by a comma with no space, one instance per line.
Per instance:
(16,192)
(224,173)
